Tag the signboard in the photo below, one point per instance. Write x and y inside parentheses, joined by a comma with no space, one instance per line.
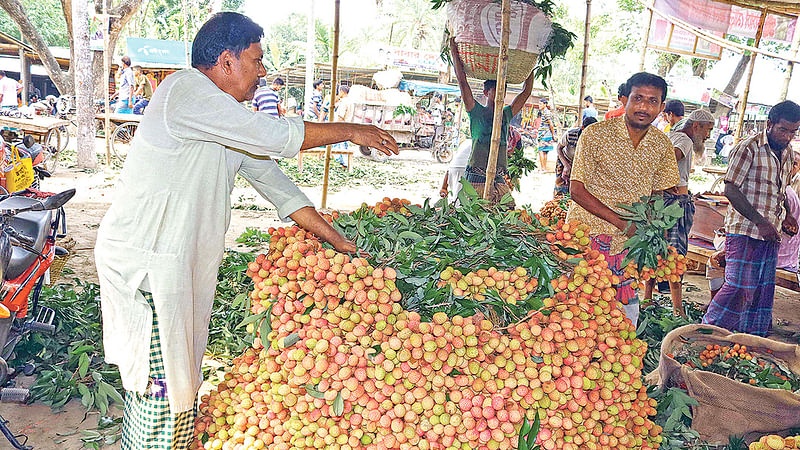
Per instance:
(689,90)
(723,98)
(157,52)
(97,27)
(412,59)
(665,36)
(728,19)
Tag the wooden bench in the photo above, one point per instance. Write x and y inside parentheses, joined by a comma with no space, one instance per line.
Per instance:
(783,278)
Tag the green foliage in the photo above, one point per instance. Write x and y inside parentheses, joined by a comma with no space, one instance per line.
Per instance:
(652,219)
(674,414)
(519,166)
(253,237)
(404,109)
(231,307)
(46,16)
(527,434)
(656,320)
(471,236)
(363,173)
(163,19)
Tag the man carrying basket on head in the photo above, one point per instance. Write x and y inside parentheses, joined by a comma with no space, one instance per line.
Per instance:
(480,123)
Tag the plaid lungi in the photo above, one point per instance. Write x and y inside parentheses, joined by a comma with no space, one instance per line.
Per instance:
(678,236)
(146,421)
(626,294)
(744,303)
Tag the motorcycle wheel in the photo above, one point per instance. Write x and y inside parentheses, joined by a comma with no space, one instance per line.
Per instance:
(364,150)
(444,154)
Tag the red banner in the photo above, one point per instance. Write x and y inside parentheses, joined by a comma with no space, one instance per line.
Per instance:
(722,18)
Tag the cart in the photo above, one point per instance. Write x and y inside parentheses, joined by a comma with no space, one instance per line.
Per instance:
(123,127)
(44,129)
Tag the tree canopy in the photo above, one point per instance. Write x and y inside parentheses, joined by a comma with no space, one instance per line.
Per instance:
(46,16)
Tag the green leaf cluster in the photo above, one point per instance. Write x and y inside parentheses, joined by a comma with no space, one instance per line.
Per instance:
(652,219)
(468,236)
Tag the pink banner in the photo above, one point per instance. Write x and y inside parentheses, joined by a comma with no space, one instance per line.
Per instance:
(722,18)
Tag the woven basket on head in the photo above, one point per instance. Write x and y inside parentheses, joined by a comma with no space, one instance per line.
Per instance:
(480,61)
(57,267)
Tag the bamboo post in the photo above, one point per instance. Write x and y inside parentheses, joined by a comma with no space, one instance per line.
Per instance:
(585,65)
(499,100)
(790,68)
(24,74)
(334,91)
(646,41)
(743,105)
(106,74)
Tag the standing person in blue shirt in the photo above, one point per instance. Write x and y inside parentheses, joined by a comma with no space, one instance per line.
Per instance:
(125,88)
(314,109)
(268,99)
(588,108)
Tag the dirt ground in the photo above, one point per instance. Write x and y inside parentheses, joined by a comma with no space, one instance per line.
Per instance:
(94,192)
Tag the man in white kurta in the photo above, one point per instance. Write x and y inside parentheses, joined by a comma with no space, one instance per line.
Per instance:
(164,233)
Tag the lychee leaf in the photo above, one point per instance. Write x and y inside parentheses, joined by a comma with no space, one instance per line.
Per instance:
(338,405)
(314,392)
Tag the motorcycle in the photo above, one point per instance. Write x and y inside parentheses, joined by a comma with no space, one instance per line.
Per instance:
(30,222)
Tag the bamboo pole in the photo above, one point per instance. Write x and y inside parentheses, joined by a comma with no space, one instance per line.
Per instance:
(106,73)
(499,100)
(743,106)
(790,68)
(585,64)
(334,91)
(646,41)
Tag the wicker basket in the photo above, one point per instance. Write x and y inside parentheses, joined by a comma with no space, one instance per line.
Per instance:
(57,267)
(480,61)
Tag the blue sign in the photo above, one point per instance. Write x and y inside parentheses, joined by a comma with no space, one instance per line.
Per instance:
(421,88)
(157,52)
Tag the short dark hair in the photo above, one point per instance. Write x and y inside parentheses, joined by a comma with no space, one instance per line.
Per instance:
(622,90)
(488,85)
(226,30)
(788,111)
(675,107)
(278,81)
(317,83)
(646,79)
(543,100)
(126,60)
(2,73)
(137,67)
(344,88)
(588,121)
(589,99)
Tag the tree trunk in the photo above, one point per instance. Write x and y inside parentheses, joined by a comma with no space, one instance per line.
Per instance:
(120,16)
(699,66)
(87,156)
(718,109)
(61,79)
(666,61)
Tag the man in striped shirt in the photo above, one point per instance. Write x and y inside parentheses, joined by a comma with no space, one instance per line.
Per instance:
(268,99)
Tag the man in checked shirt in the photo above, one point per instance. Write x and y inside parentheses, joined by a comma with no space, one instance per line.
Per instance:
(758,173)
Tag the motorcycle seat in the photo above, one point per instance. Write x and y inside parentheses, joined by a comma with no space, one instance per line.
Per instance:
(35,224)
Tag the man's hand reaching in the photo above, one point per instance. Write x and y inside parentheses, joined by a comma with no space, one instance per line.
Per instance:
(768,231)
(372,136)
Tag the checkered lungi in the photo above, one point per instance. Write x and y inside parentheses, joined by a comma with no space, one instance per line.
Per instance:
(146,421)
(744,302)
(626,294)
(678,236)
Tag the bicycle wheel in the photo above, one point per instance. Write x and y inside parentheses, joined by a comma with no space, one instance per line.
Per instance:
(51,150)
(121,139)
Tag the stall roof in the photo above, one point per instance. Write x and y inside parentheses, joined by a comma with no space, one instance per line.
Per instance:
(421,88)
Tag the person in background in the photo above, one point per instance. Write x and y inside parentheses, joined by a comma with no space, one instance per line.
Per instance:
(673,113)
(618,161)
(160,244)
(565,151)
(687,136)
(715,266)
(437,113)
(125,87)
(588,108)
(789,250)
(314,109)
(34,94)
(619,111)
(342,113)
(268,99)
(721,140)
(9,89)
(755,185)
(546,133)
(143,92)
(481,124)
(455,172)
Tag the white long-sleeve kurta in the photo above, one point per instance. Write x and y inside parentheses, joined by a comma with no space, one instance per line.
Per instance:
(166,225)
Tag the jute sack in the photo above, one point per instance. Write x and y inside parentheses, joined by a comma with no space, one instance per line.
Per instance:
(727,407)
